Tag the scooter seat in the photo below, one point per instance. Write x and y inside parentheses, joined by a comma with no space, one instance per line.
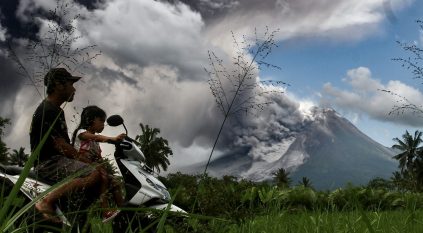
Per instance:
(15,170)
(11,170)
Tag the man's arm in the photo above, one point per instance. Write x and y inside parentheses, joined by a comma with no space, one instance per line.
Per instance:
(67,149)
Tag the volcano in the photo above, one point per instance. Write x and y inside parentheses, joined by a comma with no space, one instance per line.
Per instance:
(327,149)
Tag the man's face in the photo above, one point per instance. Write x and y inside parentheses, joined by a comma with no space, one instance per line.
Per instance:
(67,91)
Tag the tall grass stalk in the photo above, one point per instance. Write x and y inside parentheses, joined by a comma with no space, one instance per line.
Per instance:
(17,215)
(28,165)
(413,63)
(239,90)
(53,49)
(367,222)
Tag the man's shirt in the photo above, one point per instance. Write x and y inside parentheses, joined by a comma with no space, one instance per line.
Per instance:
(42,120)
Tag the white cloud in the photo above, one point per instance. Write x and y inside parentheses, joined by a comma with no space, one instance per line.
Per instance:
(22,106)
(366,97)
(361,79)
(148,33)
(343,20)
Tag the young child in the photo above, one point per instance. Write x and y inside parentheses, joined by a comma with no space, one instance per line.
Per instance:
(86,139)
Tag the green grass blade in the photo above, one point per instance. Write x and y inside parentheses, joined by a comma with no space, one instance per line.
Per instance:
(162,221)
(15,217)
(28,165)
(367,222)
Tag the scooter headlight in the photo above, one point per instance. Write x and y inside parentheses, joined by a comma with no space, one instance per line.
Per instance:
(163,190)
(166,195)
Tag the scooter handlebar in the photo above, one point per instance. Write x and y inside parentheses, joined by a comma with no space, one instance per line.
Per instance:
(129,139)
(110,141)
(117,142)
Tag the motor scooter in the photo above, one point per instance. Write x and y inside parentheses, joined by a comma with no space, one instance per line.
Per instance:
(142,188)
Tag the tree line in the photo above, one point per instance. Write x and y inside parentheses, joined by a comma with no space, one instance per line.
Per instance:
(16,156)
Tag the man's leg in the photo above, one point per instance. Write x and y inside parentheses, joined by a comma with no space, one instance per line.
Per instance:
(58,170)
(47,204)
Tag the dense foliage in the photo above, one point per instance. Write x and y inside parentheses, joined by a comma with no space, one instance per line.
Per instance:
(231,199)
(17,157)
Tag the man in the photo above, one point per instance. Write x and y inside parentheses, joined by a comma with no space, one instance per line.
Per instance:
(58,159)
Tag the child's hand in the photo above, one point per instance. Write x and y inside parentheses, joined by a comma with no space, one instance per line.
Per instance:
(120,137)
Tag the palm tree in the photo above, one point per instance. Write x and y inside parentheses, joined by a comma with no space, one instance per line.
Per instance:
(3,147)
(3,155)
(18,157)
(381,183)
(156,149)
(397,180)
(418,172)
(305,182)
(409,148)
(281,177)
(3,152)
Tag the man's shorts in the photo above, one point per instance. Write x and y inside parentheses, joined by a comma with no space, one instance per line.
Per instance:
(60,167)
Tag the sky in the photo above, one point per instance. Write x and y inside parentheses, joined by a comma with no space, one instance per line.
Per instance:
(151,70)
(336,72)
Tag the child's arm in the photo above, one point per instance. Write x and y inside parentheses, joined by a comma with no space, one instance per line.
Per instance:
(100,138)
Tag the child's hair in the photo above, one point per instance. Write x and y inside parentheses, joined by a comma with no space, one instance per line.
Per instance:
(88,116)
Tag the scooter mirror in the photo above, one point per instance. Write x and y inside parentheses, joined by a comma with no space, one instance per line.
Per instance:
(114,120)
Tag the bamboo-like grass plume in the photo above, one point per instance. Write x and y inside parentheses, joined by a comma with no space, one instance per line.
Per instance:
(414,64)
(28,165)
(237,89)
(53,49)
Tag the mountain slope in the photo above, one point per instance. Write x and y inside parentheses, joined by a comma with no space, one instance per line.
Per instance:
(327,149)
(341,153)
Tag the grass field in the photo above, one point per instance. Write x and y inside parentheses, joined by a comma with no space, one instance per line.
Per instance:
(330,222)
(228,205)
(293,220)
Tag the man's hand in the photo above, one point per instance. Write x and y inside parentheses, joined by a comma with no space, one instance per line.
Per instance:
(67,149)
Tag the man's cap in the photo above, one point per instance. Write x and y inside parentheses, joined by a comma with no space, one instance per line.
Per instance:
(59,74)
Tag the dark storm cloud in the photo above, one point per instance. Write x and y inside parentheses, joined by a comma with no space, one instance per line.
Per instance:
(15,27)
(18,28)
(210,10)
(91,4)
(10,79)
(214,10)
